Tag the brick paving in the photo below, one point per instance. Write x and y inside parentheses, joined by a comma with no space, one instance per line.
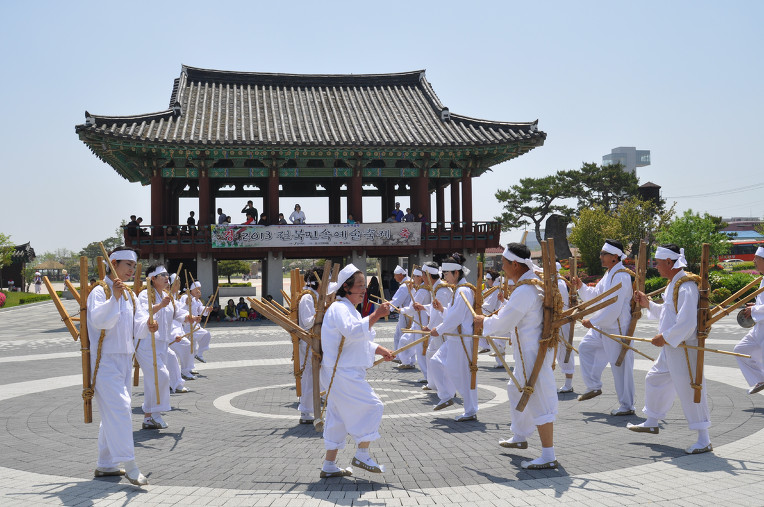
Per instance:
(234,440)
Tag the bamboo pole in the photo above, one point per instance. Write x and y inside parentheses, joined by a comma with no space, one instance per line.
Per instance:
(87,382)
(587,311)
(573,263)
(639,285)
(732,308)
(478,328)
(72,290)
(586,304)
(703,323)
(212,300)
(113,268)
(61,310)
(100,268)
(150,294)
(137,280)
(504,363)
(695,347)
(190,314)
(405,347)
(736,295)
(621,339)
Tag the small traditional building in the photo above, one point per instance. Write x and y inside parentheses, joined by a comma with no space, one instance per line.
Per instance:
(21,255)
(260,135)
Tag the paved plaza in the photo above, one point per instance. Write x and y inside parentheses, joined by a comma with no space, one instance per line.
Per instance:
(235,438)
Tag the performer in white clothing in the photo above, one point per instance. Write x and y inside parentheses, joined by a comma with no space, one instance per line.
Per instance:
(491,305)
(306,314)
(167,315)
(451,363)
(752,343)
(352,407)
(596,350)
(198,311)
(522,318)
(418,319)
(445,295)
(566,367)
(182,347)
(401,298)
(669,375)
(111,364)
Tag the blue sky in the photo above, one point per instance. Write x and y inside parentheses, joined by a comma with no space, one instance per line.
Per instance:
(682,79)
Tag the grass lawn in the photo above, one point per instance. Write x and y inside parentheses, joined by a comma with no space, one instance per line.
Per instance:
(14,298)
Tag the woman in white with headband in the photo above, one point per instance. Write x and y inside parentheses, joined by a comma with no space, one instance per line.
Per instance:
(352,407)
(595,350)
(112,365)
(444,295)
(752,343)
(669,376)
(451,364)
(419,320)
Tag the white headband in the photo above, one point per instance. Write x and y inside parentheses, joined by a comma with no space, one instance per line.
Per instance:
(512,257)
(488,276)
(417,272)
(607,247)
(452,266)
(760,251)
(430,269)
(158,271)
(123,255)
(196,285)
(173,277)
(399,270)
(559,266)
(346,273)
(665,253)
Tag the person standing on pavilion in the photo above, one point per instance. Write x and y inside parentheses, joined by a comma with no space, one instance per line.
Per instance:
(596,350)
(752,343)
(119,320)
(297,217)
(398,213)
(522,318)
(352,406)
(250,211)
(669,375)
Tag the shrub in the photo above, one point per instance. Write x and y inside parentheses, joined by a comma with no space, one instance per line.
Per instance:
(247,284)
(741,266)
(654,283)
(2,299)
(736,281)
(719,295)
(34,298)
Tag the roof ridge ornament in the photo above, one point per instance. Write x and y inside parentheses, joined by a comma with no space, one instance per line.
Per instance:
(445,114)
(89,120)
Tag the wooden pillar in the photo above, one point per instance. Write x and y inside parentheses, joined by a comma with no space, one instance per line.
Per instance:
(355,191)
(440,206)
(157,206)
(455,214)
(334,203)
(389,198)
(271,201)
(423,193)
(206,213)
(467,200)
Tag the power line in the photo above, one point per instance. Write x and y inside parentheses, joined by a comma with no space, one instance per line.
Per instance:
(720,192)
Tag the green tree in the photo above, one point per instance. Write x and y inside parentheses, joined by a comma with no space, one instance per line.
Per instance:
(228,268)
(6,249)
(590,229)
(606,185)
(690,231)
(640,219)
(532,201)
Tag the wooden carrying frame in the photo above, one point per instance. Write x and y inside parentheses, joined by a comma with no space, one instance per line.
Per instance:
(636,310)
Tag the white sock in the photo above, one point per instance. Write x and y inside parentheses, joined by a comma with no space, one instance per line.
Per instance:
(362,453)
(547,454)
(703,438)
(330,466)
(130,466)
(568,382)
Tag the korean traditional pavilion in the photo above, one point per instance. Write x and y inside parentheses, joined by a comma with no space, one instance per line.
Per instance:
(261,135)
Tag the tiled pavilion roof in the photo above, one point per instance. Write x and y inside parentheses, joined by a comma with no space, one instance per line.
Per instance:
(212,107)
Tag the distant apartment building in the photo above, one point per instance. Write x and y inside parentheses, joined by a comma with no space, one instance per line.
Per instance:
(629,157)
